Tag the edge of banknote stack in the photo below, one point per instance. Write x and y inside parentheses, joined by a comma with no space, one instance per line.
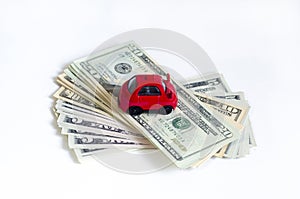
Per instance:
(210,120)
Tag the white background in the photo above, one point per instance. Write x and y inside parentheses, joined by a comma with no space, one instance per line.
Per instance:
(255,44)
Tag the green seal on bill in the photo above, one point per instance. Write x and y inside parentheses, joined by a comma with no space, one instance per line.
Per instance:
(181,123)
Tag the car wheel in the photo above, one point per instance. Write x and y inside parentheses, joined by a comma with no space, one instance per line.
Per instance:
(166,110)
(135,110)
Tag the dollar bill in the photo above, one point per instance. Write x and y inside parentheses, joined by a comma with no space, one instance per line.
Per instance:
(209,120)
(239,96)
(252,140)
(76,86)
(240,147)
(84,76)
(211,83)
(188,134)
(86,155)
(71,109)
(77,123)
(216,86)
(68,95)
(67,131)
(233,110)
(90,142)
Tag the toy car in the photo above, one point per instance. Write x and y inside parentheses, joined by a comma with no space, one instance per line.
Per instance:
(147,92)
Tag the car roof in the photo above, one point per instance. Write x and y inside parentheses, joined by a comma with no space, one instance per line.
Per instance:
(148,79)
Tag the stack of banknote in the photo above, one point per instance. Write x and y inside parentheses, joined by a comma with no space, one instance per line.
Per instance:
(210,120)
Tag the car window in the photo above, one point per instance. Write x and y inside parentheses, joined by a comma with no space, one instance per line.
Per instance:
(149,91)
(163,85)
(132,85)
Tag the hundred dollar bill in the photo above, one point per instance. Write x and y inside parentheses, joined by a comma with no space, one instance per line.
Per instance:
(188,134)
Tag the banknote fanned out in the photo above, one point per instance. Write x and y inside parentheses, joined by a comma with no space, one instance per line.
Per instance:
(210,119)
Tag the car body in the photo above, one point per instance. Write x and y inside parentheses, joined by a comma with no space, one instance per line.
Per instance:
(147,92)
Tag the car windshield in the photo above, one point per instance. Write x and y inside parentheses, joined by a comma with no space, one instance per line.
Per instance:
(149,91)
(132,85)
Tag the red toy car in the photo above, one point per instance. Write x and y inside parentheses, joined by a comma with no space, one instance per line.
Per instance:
(147,92)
